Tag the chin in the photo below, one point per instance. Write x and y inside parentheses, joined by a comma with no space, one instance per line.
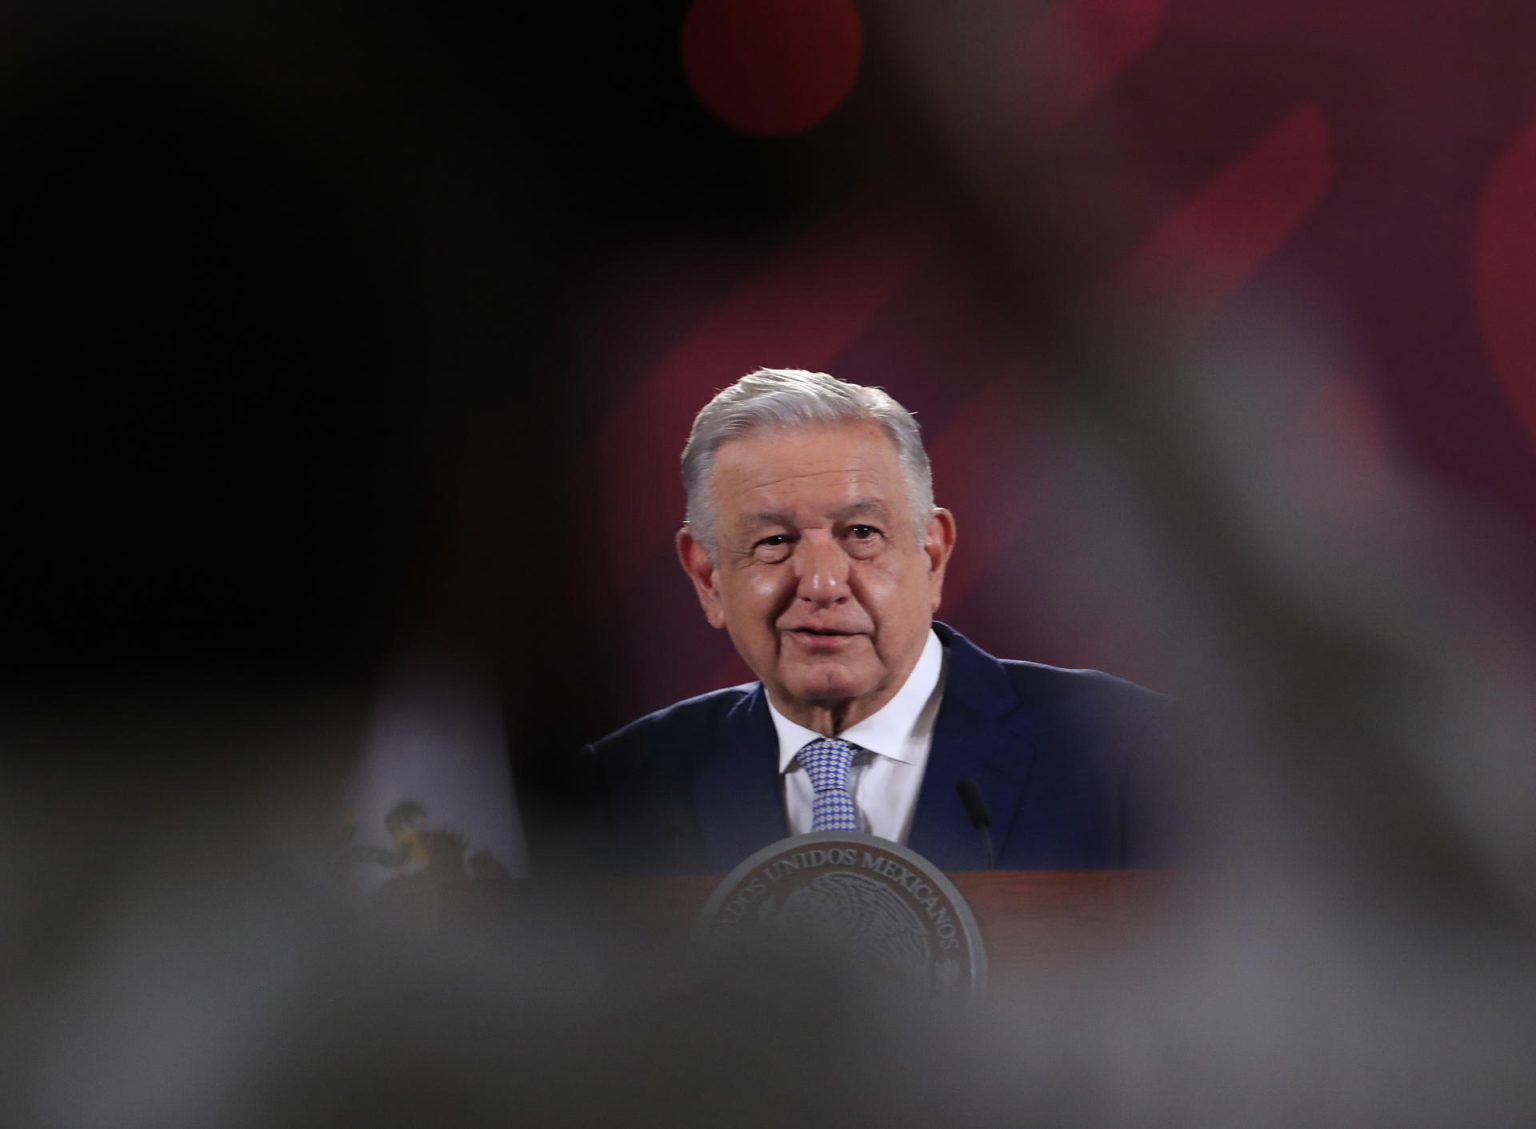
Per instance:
(830,688)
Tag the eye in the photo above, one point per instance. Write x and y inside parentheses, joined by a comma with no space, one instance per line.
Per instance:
(862,540)
(773,548)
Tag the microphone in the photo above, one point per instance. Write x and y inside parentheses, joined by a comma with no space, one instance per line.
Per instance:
(976,809)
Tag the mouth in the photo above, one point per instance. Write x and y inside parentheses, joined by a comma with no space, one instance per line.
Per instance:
(822,638)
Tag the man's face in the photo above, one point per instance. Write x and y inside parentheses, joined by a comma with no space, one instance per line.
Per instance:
(818,579)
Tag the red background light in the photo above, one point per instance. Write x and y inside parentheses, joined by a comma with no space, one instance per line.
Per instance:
(771,66)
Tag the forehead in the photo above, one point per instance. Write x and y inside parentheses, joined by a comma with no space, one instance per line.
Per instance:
(832,465)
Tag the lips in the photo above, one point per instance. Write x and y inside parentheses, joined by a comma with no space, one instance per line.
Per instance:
(822,638)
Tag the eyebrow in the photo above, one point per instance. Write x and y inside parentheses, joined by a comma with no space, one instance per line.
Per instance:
(863,507)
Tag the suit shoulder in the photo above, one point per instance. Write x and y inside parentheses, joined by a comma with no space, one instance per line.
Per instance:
(692,715)
(1039,685)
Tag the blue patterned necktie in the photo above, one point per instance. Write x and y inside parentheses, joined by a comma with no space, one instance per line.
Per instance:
(826,761)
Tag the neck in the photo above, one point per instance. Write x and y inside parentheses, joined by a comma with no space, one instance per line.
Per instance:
(829,718)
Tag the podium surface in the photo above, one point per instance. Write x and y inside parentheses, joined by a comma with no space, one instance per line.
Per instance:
(1025,917)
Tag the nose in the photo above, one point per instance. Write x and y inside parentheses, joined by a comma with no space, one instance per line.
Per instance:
(821,569)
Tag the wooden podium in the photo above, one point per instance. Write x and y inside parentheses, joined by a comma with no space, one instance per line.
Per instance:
(1025,917)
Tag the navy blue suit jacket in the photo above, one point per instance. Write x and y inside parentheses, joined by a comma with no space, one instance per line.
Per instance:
(1064,759)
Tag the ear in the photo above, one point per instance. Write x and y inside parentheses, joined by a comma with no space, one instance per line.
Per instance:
(701,570)
(940,542)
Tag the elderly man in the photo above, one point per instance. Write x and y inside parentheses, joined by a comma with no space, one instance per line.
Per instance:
(813,540)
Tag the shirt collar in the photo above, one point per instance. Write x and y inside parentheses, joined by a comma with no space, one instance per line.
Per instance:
(888,730)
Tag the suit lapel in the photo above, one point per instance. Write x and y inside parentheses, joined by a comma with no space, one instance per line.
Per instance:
(737,790)
(972,739)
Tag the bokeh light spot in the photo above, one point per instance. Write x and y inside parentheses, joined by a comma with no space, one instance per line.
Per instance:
(1504,272)
(771,66)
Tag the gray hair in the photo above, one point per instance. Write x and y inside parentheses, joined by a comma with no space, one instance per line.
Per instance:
(789,399)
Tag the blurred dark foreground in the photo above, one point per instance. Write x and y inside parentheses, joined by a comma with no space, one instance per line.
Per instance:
(188,949)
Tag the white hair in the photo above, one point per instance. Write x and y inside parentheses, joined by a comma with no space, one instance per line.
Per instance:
(793,399)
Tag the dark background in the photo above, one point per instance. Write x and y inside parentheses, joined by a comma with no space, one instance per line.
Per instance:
(330,332)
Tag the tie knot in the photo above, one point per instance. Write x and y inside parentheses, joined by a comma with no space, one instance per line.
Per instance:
(826,760)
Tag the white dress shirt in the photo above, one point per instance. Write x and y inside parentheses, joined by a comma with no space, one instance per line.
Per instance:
(894,741)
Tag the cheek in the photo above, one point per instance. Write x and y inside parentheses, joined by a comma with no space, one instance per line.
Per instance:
(894,594)
(754,598)
(879,585)
(766,588)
